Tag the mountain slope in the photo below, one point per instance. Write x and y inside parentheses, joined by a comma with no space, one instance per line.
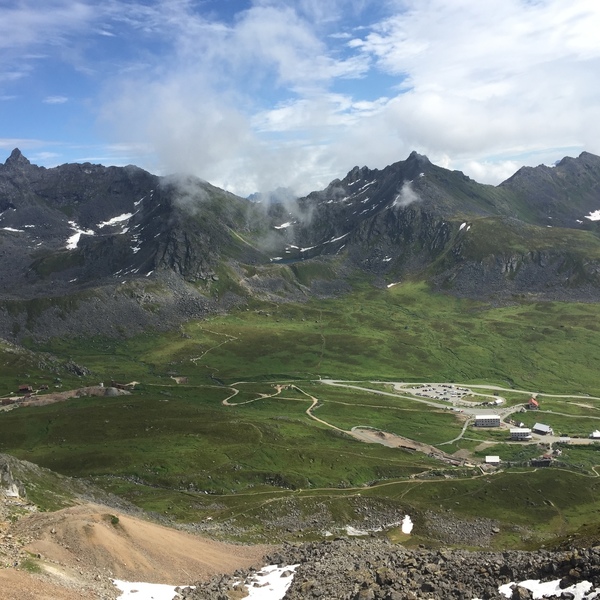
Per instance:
(77,550)
(413,219)
(93,249)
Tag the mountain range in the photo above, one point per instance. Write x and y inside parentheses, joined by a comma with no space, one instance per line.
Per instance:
(112,250)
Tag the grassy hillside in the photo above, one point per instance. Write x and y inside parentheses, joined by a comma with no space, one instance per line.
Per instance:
(212,446)
(401,333)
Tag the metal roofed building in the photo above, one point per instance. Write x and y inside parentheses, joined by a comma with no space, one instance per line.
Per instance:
(542,429)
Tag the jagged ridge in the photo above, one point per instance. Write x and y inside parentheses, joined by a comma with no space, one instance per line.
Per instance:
(152,251)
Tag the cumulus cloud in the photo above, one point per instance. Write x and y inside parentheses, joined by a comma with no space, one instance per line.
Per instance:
(296,92)
(472,81)
(483,79)
(202,111)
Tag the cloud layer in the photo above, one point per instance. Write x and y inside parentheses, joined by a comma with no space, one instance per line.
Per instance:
(295,93)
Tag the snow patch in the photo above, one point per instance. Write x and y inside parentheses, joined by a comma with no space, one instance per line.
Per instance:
(145,591)
(270,584)
(13,230)
(366,185)
(407,524)
(594,216)
(115,220)
(283,225)
(337,239)
(74,239)
(352,531)
(462,226)
(551,588)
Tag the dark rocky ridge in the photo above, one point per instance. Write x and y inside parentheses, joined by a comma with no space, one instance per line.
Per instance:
(377,570)
(155,251)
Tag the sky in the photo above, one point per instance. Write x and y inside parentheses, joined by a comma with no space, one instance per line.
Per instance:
(252,95)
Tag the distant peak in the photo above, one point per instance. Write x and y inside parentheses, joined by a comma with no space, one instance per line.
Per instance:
(16,159)
(414,155)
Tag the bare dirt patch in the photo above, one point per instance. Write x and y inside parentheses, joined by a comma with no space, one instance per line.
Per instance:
(79,550)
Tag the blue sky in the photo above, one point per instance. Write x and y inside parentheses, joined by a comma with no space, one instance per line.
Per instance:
(255,94)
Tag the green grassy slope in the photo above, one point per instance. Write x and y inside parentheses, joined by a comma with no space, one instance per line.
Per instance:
(177,449)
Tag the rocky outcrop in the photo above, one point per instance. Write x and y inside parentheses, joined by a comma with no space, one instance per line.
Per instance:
(9,486)
(377,570)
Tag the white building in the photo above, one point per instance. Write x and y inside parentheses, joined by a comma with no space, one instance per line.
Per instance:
(595,435)
(492,460)
(520,433)
(487,421)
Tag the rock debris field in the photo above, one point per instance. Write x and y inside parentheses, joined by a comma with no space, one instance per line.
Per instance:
(374,569)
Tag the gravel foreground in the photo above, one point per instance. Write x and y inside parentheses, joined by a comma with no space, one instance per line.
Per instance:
(372,569)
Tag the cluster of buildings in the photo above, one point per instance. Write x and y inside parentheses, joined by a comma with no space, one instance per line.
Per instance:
(516,433)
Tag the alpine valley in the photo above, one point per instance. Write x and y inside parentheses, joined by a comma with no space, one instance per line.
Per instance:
(178,363)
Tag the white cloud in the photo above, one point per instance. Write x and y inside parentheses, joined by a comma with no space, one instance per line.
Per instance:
(29,24)
(279,94)
(484,78)
(203,111)
(10,143)
(55,100)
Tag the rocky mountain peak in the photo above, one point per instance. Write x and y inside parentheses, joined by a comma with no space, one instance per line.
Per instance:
(414,156)
(16,160)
